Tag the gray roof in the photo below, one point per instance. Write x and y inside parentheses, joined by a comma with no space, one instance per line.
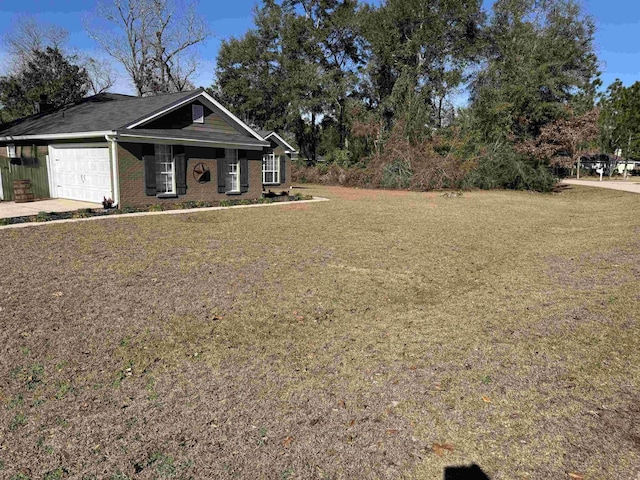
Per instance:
(102,112)
(266,133)
(222,138)
(263,133)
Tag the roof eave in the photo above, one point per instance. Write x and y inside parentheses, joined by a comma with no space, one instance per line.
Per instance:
(291,148)
(140,137)
(198,93)
(57,136)
(166,109)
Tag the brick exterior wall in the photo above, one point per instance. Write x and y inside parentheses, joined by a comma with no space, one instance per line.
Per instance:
(279,150)
(132,186)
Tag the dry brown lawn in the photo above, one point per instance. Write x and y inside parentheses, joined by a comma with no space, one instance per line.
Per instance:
(376,336)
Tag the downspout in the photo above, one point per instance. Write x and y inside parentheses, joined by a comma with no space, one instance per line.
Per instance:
(113,148)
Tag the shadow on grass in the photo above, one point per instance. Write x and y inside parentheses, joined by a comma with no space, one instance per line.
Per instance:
(471,472)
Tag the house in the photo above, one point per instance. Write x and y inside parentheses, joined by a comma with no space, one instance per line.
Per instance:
(608,162)
(142,150)
(278,158)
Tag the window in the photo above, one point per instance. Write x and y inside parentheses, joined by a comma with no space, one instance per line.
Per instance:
(11,150)
(165,170)
(270,168)
(233,170)
(197,113)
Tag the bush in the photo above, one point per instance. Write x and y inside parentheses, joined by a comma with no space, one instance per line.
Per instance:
(506,169)
(396,174)
(129,209)
(440,162)
(340,157)
(44,217)
(81,214)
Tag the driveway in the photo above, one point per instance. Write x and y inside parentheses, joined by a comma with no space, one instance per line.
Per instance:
(633,187)
(13,209)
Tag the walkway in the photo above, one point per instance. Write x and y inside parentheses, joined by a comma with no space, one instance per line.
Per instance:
(628,186)
(164,212)
(13,209)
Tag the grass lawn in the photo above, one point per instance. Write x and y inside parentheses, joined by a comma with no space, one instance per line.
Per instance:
(379,335)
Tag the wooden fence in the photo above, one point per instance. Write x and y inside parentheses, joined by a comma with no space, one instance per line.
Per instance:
(33,168)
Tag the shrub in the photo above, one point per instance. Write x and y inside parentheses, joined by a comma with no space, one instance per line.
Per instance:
(504,168)
(396,174)
(81,214)
(43,217)
(128,209)
(156,207)
(340,157)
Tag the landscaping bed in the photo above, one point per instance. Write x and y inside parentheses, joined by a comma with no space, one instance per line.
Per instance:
(154,207)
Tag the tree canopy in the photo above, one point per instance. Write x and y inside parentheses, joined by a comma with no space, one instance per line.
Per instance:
(47,72)
(340,76)
(620,119)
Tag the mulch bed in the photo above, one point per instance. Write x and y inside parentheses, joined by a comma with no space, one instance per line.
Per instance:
(157,207)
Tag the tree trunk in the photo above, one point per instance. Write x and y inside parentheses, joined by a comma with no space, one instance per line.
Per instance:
(313,137)
(342,133)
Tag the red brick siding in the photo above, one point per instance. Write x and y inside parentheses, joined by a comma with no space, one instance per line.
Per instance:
(131,175)
(279,150)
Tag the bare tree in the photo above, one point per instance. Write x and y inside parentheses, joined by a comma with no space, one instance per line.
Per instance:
(28,35)
(155,40)
(101,75)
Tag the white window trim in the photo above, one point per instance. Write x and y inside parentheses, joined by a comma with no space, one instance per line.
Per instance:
(197,113)
(11,150)
(174,190)
(276,160)
(229,161)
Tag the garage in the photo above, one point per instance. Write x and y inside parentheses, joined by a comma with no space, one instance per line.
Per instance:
(80,172)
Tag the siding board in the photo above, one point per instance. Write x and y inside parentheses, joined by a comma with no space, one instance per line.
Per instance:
(34,170)
(181,119)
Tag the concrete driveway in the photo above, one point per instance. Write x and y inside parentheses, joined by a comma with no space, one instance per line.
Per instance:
(629,186)
(13,209)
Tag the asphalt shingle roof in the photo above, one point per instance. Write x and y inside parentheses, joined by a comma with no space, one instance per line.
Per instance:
(266,133)
(102,112)
(263,133)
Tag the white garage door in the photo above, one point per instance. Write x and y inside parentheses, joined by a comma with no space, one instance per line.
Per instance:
(80,173)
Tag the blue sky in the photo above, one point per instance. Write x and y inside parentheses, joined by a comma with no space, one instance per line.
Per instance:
(618,23)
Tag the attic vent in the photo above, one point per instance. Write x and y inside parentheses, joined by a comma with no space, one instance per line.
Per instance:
(11,150)
(197,113)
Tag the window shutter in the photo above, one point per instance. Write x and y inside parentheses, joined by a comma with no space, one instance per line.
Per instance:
(283,169)
(150,174)
(244,171)
(181,173)
(222,170)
